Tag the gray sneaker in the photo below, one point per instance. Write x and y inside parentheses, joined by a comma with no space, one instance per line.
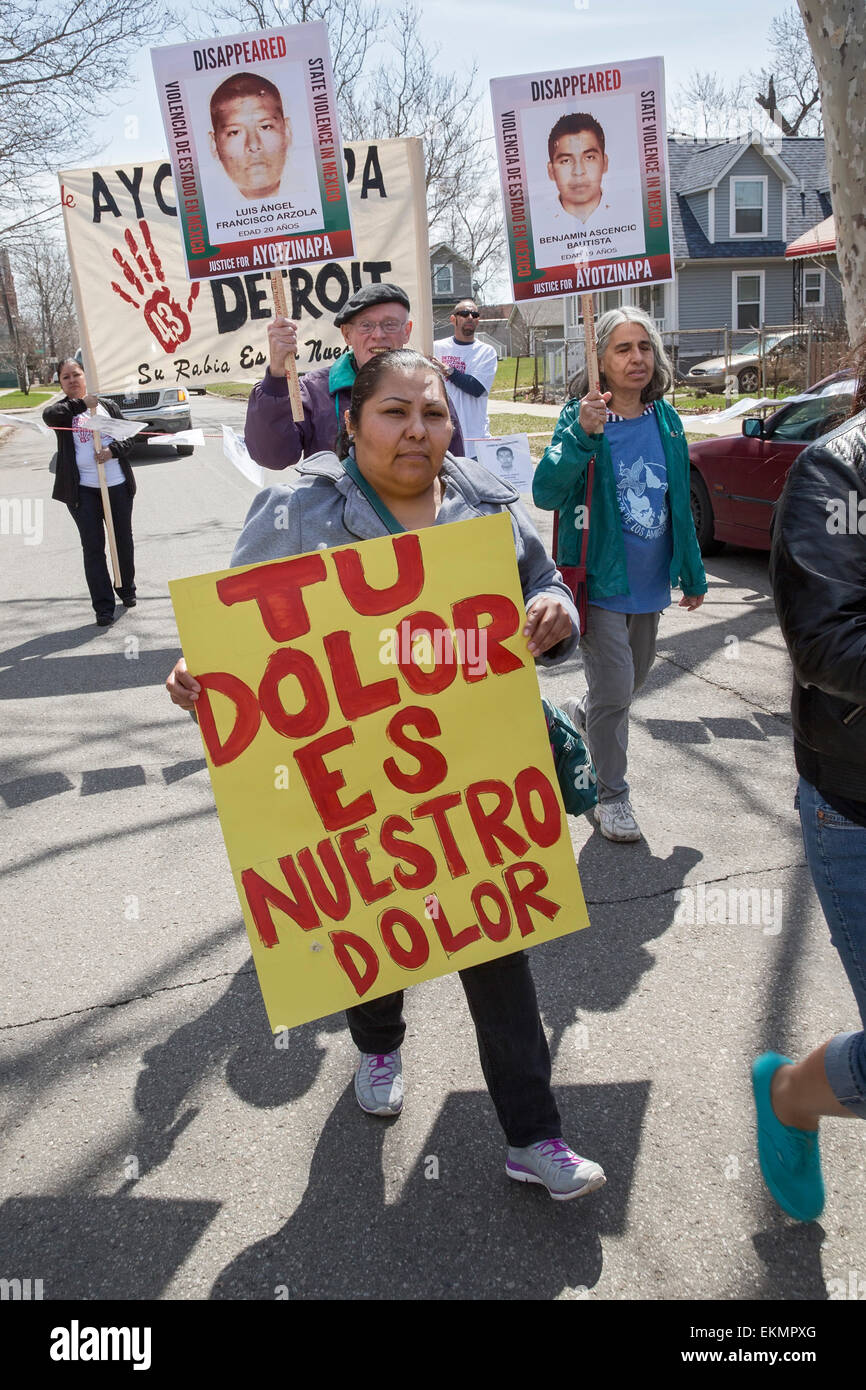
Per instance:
(616,821)
(557,1167)
(379,1083)
(573,708)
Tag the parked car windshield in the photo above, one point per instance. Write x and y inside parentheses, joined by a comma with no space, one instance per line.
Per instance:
(810,419)
(751,349)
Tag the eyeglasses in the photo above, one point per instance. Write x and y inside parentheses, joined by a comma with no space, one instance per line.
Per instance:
(384,325)
(466,314)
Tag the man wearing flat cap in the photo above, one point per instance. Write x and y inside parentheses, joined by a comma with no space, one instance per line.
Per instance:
(375,319)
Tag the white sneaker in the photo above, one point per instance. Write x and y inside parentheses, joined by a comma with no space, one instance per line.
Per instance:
(572,708)
(616,821)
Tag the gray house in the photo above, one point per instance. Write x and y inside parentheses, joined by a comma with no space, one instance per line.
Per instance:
(735,206)
(451,281)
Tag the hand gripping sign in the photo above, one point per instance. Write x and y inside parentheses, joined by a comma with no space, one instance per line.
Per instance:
(380,763)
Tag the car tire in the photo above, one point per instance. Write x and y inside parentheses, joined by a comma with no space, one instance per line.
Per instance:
(184,450)
(702,516)
(747,381)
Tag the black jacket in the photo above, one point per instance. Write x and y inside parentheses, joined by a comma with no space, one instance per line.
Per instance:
(818,572)
(60,416)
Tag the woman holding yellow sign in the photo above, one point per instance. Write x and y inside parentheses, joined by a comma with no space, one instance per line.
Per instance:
(392,473)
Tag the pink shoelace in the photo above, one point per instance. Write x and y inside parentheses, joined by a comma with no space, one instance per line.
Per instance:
(558,1151)
(381,1067)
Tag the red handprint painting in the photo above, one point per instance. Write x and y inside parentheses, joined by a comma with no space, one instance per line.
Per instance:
(167,320)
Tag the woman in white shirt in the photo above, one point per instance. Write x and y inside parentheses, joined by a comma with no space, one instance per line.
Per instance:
(77,484)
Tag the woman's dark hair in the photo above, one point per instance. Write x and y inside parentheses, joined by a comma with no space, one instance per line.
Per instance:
(62,363)
(367,383)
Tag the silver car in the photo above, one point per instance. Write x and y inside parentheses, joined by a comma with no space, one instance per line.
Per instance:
(780,351)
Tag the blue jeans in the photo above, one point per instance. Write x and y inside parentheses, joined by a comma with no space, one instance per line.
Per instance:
(836,855)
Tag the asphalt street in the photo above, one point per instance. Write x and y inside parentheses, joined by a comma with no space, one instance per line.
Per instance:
(157,1144)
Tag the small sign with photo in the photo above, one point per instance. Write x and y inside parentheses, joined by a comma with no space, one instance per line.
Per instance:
(509,458)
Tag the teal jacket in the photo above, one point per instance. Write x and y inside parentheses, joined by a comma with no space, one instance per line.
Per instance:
(560,484)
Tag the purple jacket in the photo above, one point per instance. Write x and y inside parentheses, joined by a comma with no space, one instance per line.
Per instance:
(275,441)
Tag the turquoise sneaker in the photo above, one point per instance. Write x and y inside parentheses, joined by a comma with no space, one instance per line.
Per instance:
(789,1157)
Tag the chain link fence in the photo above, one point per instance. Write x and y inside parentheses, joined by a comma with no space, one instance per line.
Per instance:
(767,361)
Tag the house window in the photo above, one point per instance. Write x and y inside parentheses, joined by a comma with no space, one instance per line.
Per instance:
(609,299)
(748,305)
(749,207)
(651,298)
(443,279)
(813,288)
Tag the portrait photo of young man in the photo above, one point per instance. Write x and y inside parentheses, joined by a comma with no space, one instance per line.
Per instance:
(581,210)
(254,168)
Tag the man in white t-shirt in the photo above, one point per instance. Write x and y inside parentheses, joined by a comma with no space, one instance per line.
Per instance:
(470,368)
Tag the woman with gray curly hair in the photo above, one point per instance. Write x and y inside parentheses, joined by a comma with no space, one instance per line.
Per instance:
(626,445)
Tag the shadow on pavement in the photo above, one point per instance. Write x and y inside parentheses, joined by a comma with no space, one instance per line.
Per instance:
(461,1228)
(233,1033)
(101,1247)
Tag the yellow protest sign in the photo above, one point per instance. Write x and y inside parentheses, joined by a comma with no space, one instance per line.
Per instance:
(380,763)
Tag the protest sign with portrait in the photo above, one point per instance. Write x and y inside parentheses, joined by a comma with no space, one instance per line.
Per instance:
(508,456)
(254,142)
(143,326)
(380,763)
(583,169)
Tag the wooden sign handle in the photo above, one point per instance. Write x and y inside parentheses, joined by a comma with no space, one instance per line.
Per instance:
(106,505)
(587,308)
(278,294)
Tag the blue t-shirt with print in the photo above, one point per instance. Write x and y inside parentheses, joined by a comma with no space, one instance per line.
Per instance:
(641,478)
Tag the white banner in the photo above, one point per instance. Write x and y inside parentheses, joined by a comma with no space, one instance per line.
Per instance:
(144,325)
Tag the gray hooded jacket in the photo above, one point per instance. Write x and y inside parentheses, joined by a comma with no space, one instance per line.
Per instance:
(320,506)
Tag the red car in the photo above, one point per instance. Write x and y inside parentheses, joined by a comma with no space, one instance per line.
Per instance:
(736,479)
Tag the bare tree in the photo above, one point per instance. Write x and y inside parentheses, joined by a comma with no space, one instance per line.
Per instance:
(389,86)
(45,292)
(836,30)
(410,95)
(352,28)
(790,91)
(478,233)
(788,94)
(60,63)
(708,107)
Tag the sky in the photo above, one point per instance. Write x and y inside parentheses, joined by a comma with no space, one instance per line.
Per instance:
(519,36)
(503,37)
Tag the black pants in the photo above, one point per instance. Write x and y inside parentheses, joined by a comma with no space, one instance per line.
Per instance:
(514,1054)
(89,519)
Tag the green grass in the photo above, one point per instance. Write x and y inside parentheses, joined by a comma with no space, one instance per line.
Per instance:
(235,390)
(525,424)
(503,382)
(16,400)
(687,400)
